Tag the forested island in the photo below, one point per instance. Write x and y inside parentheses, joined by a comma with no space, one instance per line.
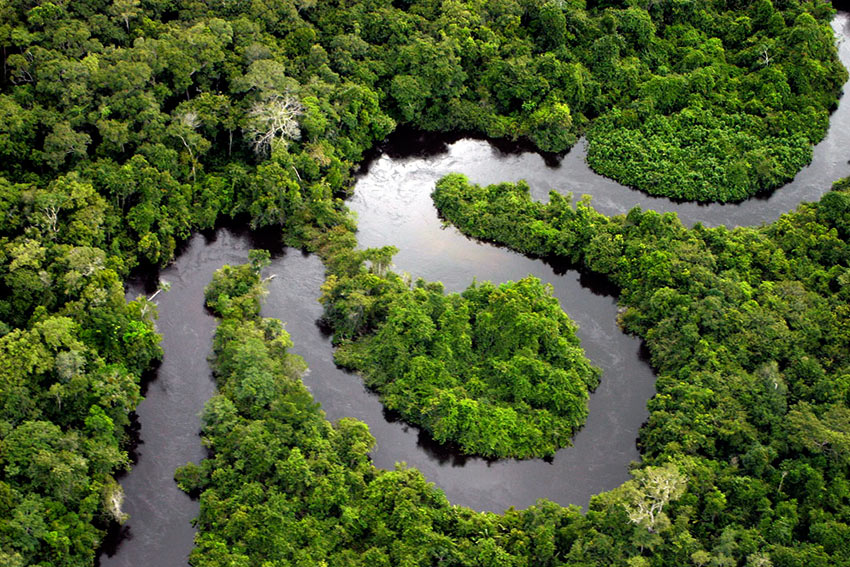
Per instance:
(497,370)
(126,126)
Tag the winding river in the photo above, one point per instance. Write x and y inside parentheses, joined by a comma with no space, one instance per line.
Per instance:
(393,205)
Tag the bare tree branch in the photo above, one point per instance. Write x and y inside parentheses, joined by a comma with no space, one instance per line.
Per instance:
(276,117)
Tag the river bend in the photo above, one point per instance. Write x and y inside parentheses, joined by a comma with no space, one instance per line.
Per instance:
(393,204)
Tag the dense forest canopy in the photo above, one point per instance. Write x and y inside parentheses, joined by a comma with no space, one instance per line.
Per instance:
(496,370)
(127,124)
(745,457)
(750,333)
(708,101)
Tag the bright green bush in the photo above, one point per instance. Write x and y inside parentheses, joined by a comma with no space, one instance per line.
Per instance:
(497,370)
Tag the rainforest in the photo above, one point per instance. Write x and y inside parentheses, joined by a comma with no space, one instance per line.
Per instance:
(130,127)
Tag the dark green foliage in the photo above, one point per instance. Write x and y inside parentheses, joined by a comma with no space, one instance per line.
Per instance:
(727,104)
(126,125)
(246,346)
(168,119)
(748,331)
(697,155)
(71,354)
(496,370)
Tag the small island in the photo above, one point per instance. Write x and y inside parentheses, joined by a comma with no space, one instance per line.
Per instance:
(496,370)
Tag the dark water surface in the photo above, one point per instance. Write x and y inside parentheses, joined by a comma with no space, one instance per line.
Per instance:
(393,204)
(159,533)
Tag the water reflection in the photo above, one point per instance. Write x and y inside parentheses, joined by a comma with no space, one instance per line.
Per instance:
(417,155)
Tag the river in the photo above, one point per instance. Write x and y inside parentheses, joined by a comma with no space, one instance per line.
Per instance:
(393,205)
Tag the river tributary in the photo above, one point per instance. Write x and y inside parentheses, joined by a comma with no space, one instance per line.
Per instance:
(392,200)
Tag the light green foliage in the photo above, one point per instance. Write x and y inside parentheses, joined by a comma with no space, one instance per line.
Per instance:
(63,410)
(72,351)
(747,329)
(254,350)
(497,370)
(285,486)
(126,125)
(723,109)
(650,491)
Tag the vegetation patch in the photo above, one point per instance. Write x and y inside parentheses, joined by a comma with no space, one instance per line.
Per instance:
(748,331)
(721,104)
(284,486)
(126,125)
(72,352)
(498,370)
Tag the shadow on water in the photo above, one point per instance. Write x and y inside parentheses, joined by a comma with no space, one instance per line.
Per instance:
(409,142)
(116,535)
(442,453)
(133,441)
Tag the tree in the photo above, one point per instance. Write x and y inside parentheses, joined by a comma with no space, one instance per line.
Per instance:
(264,76)
(275,117)
(650,491)
(113,499)
(50,204)
(828,433)
(550,26)
(550,126)
(63,141)
(126,10)
(410,96)
(184,127)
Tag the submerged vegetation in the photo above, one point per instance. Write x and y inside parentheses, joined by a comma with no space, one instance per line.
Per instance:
(126,125)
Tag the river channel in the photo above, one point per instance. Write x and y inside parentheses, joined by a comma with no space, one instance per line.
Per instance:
(392,201)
